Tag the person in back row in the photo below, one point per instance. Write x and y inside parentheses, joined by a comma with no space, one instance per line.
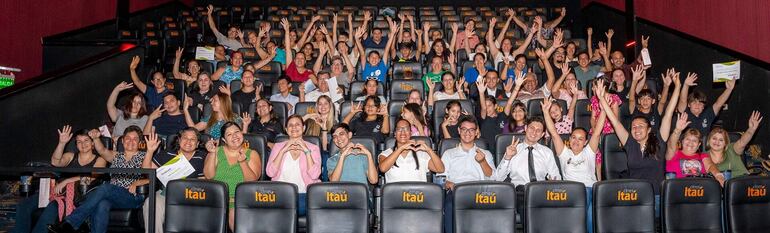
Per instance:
(167,120)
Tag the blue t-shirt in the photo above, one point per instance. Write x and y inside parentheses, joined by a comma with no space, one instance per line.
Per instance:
(511,75)
(380,71)
(354,170)
(168,125)
(369,43)
(472,74)
(231,75)
(154,99)
(280,56)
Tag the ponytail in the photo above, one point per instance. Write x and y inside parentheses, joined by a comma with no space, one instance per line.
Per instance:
(652,146)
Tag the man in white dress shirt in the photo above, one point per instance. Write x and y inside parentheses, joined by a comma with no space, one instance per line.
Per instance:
(466,162)
(516,163)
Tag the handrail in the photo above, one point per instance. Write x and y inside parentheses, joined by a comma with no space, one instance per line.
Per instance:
(149,172)
(10,69)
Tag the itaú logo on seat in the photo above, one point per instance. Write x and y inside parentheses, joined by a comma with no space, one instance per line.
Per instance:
(756,190)
(556,195)
(628,195)
(194,193)
(337,196)
(486,198)
(406,87)
(264,196)
(693,191)
(413,196)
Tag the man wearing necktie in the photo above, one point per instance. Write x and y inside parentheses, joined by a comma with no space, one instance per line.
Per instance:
(529,160)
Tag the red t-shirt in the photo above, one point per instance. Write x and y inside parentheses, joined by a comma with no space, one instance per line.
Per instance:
(295,75)
(686,165)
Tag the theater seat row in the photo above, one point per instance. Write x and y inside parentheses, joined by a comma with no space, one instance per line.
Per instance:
(688,205)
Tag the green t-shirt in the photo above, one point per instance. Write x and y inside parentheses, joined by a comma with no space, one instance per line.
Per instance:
(436,78)
(732,161)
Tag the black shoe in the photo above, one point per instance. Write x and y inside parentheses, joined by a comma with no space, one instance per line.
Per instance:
(63,227)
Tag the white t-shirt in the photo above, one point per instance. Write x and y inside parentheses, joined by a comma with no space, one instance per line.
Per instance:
(444,96)
(291,173)
(406,169)
(580,167)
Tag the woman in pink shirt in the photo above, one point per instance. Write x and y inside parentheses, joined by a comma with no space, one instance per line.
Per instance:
(295,160)
(687,161)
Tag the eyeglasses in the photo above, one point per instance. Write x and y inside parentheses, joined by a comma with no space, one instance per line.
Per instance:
(403,129)
(372,78)
(467,130)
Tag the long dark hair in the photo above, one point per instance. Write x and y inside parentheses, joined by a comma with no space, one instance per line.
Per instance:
(377,102)
(651,146)
(416,110)
(127,108)
(411,151)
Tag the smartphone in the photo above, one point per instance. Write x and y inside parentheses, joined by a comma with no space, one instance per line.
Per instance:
(646,57)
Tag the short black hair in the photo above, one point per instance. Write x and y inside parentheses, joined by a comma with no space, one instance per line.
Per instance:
(467,118)
(344,126)
(170,93)
(535,119)
(283,77)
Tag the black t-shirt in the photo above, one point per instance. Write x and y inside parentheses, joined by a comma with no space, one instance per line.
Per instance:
(454,130)
(361,127)
(197,161)
(654,117)
(270,129)
(199,99)
(702,122)
(492,126)
(244,99)
(646,168)
(167,125)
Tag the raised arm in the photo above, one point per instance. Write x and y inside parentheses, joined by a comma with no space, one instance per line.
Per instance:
(723,97)
(501,36)
(210,165)
(426,37)
(665,123)
(589,41)
(688,82)
(575,92)
(402,18)
(453,41)
(309,30)
(518,21)
(605,57)
(387,57)
(210,19)
(134,77)
(754,121)
(523,47)
(558,143)
(107,154)
(355,108)
(200,126)
(319,60)
(637,75)
(411,27)
(111,109)
(556,87)
(681,124)
(558,20)
(287,40)
(548,69)
(334,30)
(482,88)
(601,95)
(265,60)
(263,31)
(175,70)
(59,158)
(493,49)
(596,134)
(519,81)
(665,92)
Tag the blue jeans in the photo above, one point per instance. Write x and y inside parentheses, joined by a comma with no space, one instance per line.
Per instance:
(589,209)
(448,211)
(324,172)
(98,203)
(24,211)
(657,206)
(301,204)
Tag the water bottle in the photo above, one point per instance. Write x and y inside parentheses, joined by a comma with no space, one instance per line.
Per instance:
(25,185)
(670,175)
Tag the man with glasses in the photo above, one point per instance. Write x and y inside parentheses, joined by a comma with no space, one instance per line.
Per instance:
(529,160)
(466,162)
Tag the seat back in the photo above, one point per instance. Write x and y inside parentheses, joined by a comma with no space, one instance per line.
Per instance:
(504,140)
(412,207)
(614,158)
(269,73)
(684,198)
(747,204)
(617,201)
(194,205)
(280,109)
(534,108)
(399,89)
(484,206)
(337,207)
(439,111)
(304,108)
(357,89)
(449,143)
(265,206)
(258,143)
(235,85)
(399,68)
(546,201)
(582,117)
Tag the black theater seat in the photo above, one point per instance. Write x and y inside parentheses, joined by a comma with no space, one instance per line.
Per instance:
(196,206)
(265,206)
(687,197)
(412,207)
(747,205)
(484,207)
(631,202)
(555,206)
(338,207)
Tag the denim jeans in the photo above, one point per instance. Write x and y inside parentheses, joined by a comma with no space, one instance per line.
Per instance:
(301,204)
(98,203)
(589,209)
(448,211)
(24,211)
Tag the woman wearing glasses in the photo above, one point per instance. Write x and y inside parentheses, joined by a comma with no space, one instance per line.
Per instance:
(408,160)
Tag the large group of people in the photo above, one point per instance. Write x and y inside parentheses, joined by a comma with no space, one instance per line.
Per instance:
(664,134)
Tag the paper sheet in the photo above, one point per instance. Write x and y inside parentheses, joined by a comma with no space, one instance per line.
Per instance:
(204,53)
(176,168)
(727,71)
(46,185)
(333,89)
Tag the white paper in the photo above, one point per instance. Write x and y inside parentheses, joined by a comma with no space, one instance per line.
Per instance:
(176,168)
(332,82)
(646,57)
(105,131)
(727,71)
(309,86)
(44,196)
(204,53)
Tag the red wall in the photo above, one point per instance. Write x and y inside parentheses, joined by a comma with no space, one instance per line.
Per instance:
(25,23)
(743,26)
